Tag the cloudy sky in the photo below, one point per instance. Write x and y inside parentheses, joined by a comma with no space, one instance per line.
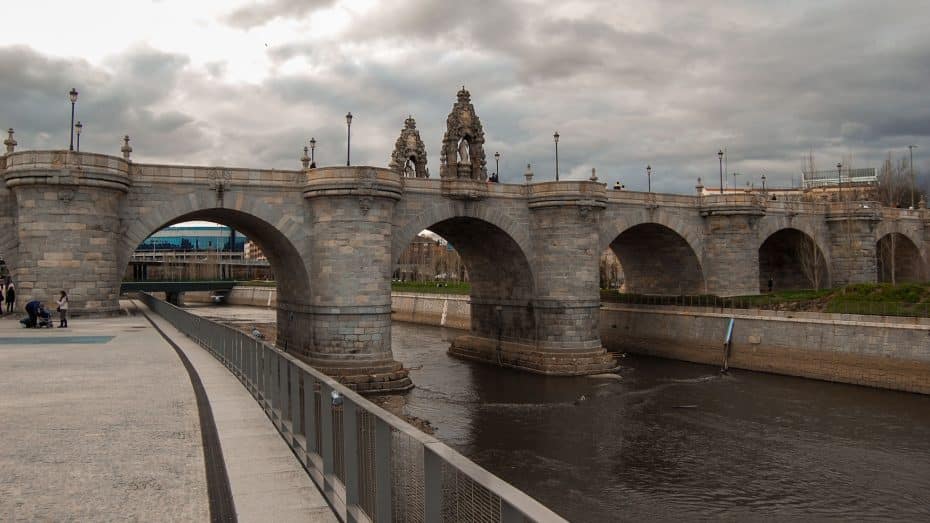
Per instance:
(626,84)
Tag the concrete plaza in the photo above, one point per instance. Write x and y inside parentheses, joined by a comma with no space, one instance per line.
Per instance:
(100,422)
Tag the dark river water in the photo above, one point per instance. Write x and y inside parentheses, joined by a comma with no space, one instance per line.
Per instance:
(676,441)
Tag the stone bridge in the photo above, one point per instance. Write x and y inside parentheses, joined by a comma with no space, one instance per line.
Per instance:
(71,221)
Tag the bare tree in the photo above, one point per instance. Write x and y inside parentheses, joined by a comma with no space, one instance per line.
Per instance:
(887,248)
(812,263)
(894,182)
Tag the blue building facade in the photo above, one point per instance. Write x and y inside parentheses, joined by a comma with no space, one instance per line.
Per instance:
(195,238)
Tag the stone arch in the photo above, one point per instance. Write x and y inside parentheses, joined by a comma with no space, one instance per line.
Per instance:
(898,259)
(502,280)
(279,234)
(657,259)
(792,259)
(406,231)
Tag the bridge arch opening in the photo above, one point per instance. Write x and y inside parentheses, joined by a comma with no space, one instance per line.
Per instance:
(899,259)
(492,263)
(284,258)
(654,259)
(792,260)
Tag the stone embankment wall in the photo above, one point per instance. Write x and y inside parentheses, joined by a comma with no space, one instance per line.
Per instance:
(447,310)
(886,352)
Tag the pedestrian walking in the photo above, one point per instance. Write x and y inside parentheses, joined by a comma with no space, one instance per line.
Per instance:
(771,282)
(10,295)
(63,310)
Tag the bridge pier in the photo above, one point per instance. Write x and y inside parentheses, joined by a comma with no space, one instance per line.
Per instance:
(67,227)
(350,266)
(852,242)
(731,244)
(566,304)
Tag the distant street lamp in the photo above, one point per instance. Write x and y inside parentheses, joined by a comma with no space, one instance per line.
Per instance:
(497,167)
(555,137)
(312,153)
(649,177)
(73,94)
(78,127)
(763,182)
(839,178)
(348,137)
(720,157)
(911,165)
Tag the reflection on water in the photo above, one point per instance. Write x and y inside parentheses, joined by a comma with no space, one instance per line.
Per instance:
(673,440)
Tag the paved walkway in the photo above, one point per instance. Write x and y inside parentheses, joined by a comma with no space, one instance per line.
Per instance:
(99,422)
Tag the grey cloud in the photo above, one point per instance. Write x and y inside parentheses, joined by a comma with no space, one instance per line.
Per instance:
(259,13)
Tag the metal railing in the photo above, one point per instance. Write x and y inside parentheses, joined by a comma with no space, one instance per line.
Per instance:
(369,464)
(763,302)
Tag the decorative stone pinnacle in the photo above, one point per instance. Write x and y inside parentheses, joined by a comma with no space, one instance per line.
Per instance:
(126,148)
(529,173)
(10,143)
(593,175)
(410,123)
(305,158)
(464,95)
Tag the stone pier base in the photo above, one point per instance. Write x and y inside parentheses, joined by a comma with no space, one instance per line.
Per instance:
(374,378)
(526,357)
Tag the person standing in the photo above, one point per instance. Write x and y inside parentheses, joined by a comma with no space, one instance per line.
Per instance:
(10,295)
(63,310)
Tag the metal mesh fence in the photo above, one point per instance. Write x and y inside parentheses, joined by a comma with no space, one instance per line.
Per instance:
(407,485)
(387,470)
(463,499)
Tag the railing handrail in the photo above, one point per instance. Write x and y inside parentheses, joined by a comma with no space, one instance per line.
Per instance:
(515,504)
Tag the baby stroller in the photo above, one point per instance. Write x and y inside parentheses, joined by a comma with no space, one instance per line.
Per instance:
(43,318)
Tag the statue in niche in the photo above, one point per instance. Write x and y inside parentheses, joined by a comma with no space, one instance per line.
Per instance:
(464,152)
(409,156)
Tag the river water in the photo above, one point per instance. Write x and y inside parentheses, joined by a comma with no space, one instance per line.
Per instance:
(675,441)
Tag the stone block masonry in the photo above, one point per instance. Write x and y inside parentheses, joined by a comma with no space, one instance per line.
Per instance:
(862,350)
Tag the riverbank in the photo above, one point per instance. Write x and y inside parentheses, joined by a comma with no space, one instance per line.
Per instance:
(879,351)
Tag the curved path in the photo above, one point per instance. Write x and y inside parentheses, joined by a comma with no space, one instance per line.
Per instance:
(100,422)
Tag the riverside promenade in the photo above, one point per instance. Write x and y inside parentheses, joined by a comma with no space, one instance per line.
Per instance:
(101,421)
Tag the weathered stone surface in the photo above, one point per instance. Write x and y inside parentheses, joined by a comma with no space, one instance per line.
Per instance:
(71,220)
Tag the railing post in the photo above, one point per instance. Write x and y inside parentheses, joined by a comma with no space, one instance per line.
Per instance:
(383,510)
(294,401)
(310,416)
(282,389)
(432,486)
(326,429)
(350,456)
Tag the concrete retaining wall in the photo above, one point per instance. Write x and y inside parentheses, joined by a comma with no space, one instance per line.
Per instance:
(886,352)
(863,350)
(447,310)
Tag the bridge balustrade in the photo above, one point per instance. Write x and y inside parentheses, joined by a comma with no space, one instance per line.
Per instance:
(370,464)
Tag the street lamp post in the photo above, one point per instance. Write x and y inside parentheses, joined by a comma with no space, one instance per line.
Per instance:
(649,178)
(348,137)
(78,127)
(312,153)
(73,94)
(555,137)
(911,165)
(839,179)
(763,183)
(720,157)
(497,167)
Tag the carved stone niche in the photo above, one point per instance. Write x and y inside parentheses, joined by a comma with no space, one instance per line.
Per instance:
(462,156)
(409,156)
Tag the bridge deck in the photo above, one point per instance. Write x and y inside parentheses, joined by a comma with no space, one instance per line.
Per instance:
(100,421)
